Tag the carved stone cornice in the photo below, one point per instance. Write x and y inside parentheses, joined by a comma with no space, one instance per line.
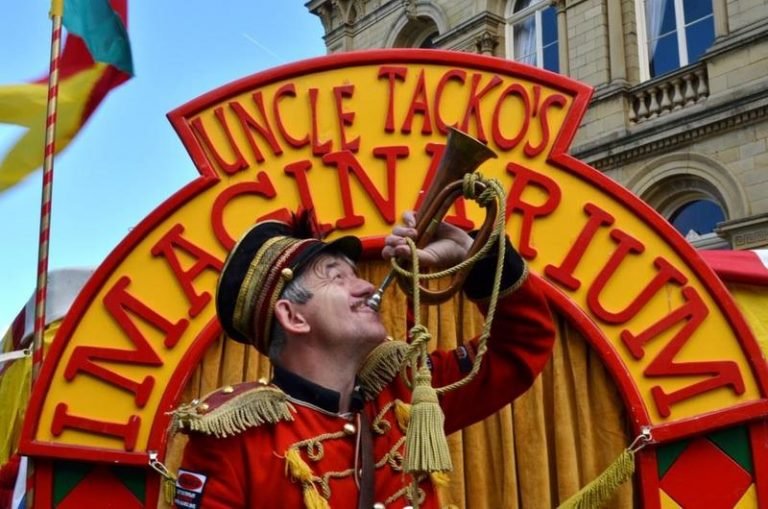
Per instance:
(364,20)
(485,21)
(745,233)
(324,12)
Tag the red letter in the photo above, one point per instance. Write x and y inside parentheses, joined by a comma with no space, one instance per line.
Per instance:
(166,247)
(298,171)
(118,303)
(345,117)
(249,124)
(419,104)
(453,74)
(127,432)
(473,104)
(553,100)
(392,74)
(318,148)
(262,187)
(501,140)
(563,274)
(346,163)
(666,274)
(290,90)
(692,313)
(529,211)
(239,163)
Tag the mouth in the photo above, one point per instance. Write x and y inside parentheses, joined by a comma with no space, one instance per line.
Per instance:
(362,306)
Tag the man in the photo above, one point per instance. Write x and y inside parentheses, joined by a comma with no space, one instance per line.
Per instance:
(328,431)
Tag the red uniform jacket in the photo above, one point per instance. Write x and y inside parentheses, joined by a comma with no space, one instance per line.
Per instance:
(249,469)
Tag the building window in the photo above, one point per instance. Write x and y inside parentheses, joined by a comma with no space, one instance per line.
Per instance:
(417,33)
(532,33)
(697,216)
(675,33)
(429,41)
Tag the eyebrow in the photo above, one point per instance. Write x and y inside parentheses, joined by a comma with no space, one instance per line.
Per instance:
(334,263)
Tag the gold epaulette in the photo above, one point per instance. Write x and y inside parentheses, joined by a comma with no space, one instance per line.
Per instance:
(381,367)
(233,409)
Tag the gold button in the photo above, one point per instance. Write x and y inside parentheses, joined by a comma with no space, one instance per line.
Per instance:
(228,389)
(379,505)
(287,274)
(203,407)
(349,428)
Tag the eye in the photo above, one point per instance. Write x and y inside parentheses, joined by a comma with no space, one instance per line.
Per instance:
(334,275)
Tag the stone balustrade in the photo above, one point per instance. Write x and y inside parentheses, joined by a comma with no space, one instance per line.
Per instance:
(668,93)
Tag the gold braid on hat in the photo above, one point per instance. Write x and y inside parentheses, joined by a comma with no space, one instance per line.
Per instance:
(253,281)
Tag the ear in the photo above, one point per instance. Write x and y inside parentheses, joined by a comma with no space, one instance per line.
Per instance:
(290,317)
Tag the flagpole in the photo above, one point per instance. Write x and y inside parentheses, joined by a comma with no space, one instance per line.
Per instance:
(41,290)
(47,192)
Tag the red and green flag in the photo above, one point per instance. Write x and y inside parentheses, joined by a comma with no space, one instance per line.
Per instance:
(96,58)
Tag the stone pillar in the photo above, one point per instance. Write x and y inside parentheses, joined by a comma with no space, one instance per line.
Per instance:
(618,65)
(562,37)
(720,12)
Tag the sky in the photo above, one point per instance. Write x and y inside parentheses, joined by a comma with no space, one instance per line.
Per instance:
(127,159)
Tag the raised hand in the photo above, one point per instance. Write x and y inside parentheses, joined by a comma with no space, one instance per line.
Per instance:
(448,246)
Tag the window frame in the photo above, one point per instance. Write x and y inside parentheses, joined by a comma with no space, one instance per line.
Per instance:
(535,9)
(682,40)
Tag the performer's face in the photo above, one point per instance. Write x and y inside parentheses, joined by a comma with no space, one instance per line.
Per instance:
(337,310)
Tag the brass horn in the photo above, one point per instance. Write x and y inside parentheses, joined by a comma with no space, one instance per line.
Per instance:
(463,154)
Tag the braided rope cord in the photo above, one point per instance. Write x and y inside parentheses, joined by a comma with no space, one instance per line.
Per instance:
(417,351)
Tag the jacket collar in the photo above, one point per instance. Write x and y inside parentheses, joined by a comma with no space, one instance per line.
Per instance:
(301,389)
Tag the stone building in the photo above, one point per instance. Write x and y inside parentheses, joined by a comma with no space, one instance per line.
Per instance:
(681,89)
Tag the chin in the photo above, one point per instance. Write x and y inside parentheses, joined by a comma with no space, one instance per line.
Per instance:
(375,340)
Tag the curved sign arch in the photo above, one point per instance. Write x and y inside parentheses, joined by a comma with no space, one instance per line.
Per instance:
(357,136)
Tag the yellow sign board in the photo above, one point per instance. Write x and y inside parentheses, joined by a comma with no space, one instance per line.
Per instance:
(357,137)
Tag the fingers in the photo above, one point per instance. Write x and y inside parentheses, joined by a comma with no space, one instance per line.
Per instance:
(395,244)
(409,219)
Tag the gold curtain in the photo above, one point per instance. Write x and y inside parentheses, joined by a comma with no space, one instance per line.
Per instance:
(532,454)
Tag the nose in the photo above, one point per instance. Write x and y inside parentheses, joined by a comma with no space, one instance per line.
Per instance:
(363,288)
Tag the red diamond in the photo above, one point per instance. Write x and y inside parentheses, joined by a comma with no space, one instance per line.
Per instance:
(704,476)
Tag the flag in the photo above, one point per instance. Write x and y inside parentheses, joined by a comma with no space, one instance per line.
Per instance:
(96,58)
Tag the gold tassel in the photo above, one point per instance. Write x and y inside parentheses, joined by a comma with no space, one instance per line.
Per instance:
(440,479)
(295,465)
(426,448)
(600,490)
(169,490)
(299,470)
(313,499)
(402,414)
